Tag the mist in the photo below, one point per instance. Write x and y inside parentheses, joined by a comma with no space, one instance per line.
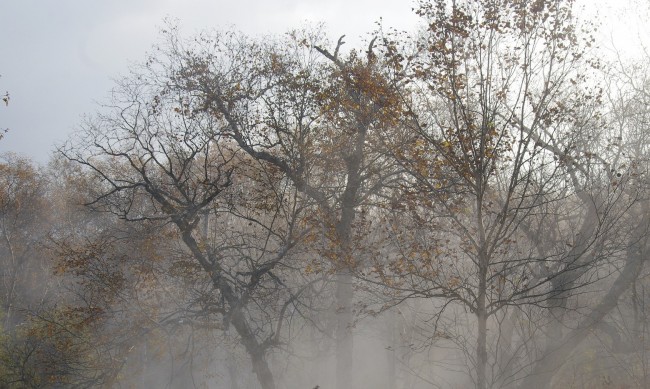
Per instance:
(460,205)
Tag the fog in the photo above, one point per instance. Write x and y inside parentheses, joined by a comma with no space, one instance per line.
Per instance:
(457,198)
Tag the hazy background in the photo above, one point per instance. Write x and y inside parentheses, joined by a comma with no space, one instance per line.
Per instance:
(58,58)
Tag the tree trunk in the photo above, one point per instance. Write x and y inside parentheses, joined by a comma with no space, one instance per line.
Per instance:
(507,357)
(391,374)
(254,349)
(263,373)
(232,374)
(558,347)
(542,374)
(481,351)
(481,315)
(344,321)
(344,287)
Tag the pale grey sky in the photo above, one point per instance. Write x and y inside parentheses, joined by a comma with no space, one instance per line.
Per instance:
(58,57)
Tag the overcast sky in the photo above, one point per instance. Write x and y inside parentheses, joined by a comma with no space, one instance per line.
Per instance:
(58,57)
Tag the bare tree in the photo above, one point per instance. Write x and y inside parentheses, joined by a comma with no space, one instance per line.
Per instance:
(155,159)
(318,116)
(623,156)
(512,204)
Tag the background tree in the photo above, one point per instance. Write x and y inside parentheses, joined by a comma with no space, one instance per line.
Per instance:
(23,224)
(623,154)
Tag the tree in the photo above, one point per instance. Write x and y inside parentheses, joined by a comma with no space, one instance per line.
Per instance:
(317,116)
(623,154)
(509,207)
(155,158)
(23,224)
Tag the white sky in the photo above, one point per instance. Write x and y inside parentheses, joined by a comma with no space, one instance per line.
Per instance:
(58,57)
